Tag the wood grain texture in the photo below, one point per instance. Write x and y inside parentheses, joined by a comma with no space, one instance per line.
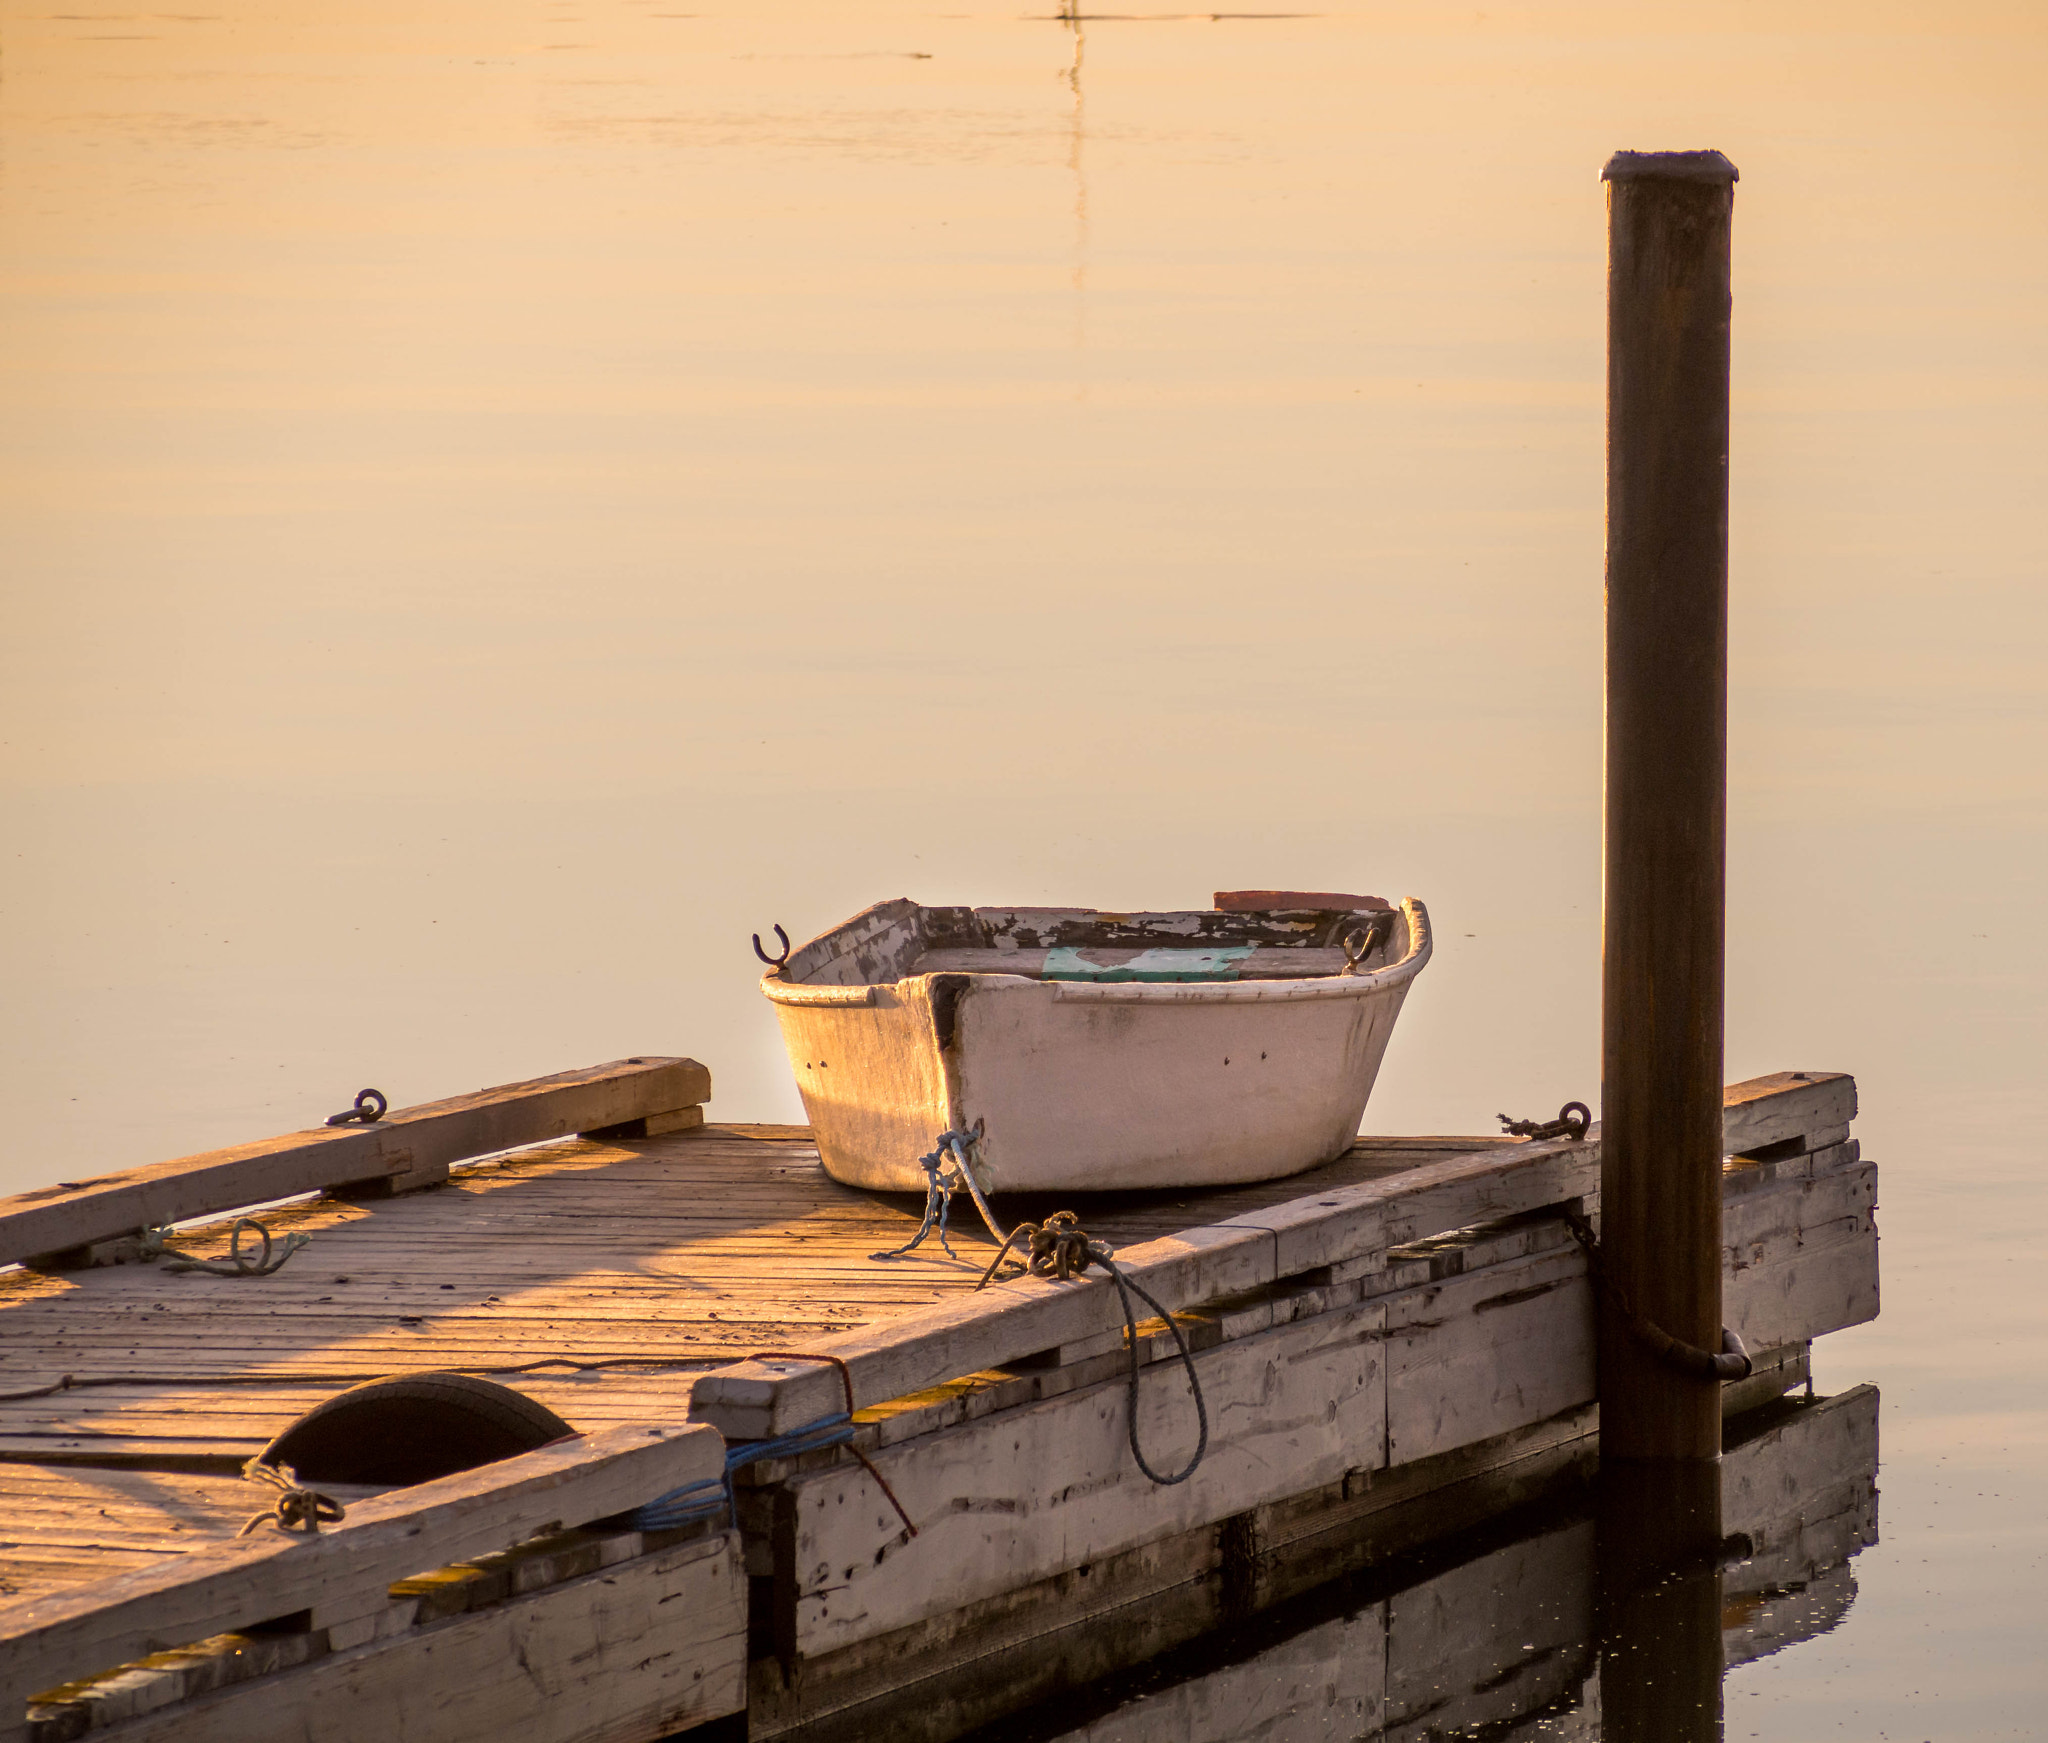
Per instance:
(677,1253)
(45,1641)
(686,1251)
(1015,1319)
(628,1655)
(1480,1354)
(415,1143)
(1311,1220)
(1784,1104)
(938,1678)
(1801,1255)
(1664,832)
(55,1521)
(1023,1494)
(1495,1337)
(1500,1642)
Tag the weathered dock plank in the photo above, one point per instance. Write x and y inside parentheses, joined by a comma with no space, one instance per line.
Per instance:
(1479,1354)
(1472,1354)
(608,1658)
(61,1526)
(938,1678)
(1021,1495)
(1015,1319)
(1405,1332)
(1761,1111)
(343,1573)
(406,1149)
(671,1254)
(1343,1223)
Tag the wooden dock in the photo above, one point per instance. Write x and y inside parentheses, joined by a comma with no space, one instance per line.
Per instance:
(1392,1348)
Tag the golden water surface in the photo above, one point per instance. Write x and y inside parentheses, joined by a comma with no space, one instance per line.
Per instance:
(502,501)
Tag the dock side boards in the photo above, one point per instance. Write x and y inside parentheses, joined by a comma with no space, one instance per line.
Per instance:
(1346,1225)
(340,1581)
(407,1149)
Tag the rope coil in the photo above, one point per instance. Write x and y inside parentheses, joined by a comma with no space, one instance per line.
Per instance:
(155,1245)
(297,1508)
(1062,1250)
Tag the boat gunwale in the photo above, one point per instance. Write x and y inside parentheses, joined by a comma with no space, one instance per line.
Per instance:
(783,991)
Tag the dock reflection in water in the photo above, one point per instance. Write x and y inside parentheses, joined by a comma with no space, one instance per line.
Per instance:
(1508,1633)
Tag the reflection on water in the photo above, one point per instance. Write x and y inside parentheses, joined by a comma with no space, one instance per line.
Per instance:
(1538,1627)
(1071,16)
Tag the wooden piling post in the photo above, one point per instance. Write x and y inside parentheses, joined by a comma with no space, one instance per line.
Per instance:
(1666,790)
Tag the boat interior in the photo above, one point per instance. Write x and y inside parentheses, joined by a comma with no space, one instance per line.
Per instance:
(896,940)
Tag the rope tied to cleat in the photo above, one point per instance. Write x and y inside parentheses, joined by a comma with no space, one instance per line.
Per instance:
(1059,1249)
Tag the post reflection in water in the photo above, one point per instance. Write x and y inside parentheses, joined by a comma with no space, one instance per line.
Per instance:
(1564,1621)
(1657,1559)
(1072,17)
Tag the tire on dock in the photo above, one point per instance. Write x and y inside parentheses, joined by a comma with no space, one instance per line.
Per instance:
(412,1428)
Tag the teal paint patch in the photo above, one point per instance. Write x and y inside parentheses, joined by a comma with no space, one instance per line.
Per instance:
(1067,963)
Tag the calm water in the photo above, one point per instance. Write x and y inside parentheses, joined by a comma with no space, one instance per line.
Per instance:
(502,501)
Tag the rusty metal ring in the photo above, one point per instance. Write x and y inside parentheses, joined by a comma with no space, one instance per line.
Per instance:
(370,1107)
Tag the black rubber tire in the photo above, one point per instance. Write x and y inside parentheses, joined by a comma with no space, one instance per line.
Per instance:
(412,1429)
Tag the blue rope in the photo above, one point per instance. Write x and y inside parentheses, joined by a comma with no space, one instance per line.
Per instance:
(691,1502)
(666,1512)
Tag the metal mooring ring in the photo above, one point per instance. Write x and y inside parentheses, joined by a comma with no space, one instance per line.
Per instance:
(369,1108)
(1572,1121)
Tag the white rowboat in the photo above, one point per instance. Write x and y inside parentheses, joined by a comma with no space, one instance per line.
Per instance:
(1094,1051)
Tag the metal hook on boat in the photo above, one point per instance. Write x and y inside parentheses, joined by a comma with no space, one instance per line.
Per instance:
(1357,944)
(781,961)
(369,1108)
